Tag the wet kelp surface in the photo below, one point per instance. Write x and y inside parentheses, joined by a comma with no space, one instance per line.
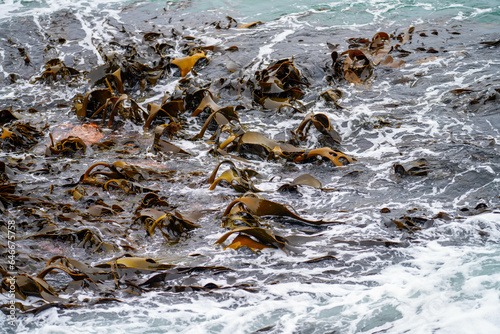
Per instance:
(199,154)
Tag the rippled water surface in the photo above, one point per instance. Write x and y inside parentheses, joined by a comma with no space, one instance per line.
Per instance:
(411,252)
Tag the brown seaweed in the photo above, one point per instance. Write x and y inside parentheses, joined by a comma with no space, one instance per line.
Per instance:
(19,136)
(68,146)
(171,225)
(56,70)
(302,180)
(321,122)
(161,145)
(278,85)
(265,238)
(418,168)
(170,109)
(262,207)
(7,115)
(338,158)
(240,180)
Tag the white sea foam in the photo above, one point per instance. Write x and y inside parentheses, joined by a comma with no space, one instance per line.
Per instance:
(438,288)
(266,50)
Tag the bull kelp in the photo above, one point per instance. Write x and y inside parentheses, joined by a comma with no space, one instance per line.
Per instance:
(276,167)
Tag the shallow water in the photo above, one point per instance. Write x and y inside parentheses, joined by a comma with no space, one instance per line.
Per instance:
(441,278)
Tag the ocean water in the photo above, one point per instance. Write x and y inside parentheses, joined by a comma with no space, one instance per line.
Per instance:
(366,275)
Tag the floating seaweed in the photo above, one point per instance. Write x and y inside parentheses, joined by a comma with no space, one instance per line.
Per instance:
(56,70)
(102,100)
(7,115)
(338,158)
(333,95)
(302,180)
(186,64)
(257,144)
(255,238)
(240,180)
(261,207)
(161,145)
(321,122)
(353,66)
(68,146)
(113,205)
(170,109)
(412,224)
(278,85)
(249,25)
(357,65)
(419,168)
(19,136)
(171,225)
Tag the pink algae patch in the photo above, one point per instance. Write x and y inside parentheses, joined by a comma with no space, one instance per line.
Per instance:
(89,133)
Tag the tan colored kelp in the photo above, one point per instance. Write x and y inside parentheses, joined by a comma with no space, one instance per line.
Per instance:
(249,25)
(102,172)
(302,180)
(246,215)
(338,158)
(261,207)
(258,145)
(239,179)
(412,224)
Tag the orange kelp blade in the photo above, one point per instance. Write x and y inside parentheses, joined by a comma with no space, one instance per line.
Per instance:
(186,64)
(245,241)
(338,158)
(265,237)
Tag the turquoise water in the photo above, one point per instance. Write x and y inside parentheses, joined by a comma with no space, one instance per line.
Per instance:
(441,279)
(345,13)
(336,13)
